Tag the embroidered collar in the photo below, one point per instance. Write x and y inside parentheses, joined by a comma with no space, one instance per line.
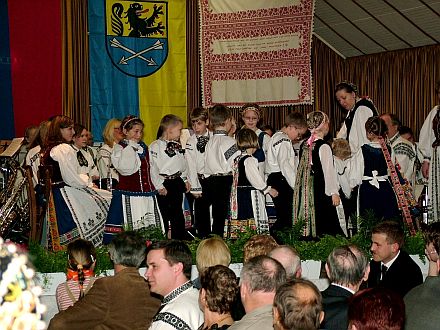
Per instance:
(177,292)
(220,132)
(394,138)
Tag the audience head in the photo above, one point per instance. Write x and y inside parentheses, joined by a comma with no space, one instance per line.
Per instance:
(199,120)
(289,258)
(127,249)
(251,115)
(393,123)
(20,306)
(60,130)
(341,149)
(112,132)
(295,125)
(80,137)
(29,133)
(346,94)
(220,116)
(258,245)
(89,139)
(431,235)
(81,256)
(247,139)
(376,309)
(407,133)
(376,128)
(386,240)
(169,266)
(170,128)
(132,128)
(219,289)
(297,305)
(347,265)
(260,277)
(210,252)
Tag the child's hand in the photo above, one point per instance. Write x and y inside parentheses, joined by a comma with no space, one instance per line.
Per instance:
(273,192)
(336,200)
(187,186)
(198,195)
(163,192)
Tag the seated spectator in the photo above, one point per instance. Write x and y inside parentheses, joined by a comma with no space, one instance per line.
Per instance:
(376,309)
(261,276)
(258,245)
(211,252)
(81,262)
(421,303)
(297,305)
(20,306)
(347,268)
(217,295)
(289,258)
(122,301)
(392,267)
(169,271)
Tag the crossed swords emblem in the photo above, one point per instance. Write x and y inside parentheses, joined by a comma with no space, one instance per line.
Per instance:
(124,60)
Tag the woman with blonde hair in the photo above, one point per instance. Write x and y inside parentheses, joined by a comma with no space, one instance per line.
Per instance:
(112,134)
(210,252)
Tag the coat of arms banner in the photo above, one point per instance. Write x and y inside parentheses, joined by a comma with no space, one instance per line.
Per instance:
(256,51)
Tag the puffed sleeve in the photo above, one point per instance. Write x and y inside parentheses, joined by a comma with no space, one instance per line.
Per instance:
(66,158)
(288,163)
(154,168)
(126,160)
(358,133)
(104,161)
(328,167)
(427,137)
(253,175)
(191,161)
(356,164)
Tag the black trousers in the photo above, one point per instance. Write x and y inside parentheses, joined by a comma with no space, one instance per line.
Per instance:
(218,193)
(283,202)
(171,207)
(202,216)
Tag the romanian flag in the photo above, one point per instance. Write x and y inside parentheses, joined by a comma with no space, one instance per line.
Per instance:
(137,61)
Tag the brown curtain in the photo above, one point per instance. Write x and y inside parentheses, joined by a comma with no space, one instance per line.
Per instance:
(75,65)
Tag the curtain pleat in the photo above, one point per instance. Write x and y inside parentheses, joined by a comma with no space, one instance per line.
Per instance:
(75,61)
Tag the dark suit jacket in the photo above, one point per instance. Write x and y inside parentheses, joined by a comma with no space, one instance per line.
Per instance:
(335,304)
(122,301)
(403,275)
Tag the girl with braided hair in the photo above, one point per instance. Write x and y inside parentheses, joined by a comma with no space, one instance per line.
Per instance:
(81,263)
(316,189)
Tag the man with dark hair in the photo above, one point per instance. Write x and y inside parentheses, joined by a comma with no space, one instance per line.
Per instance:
(392,267)
(260,278)
(297,305)
(121,301)
(347,267)
(168,273)
(421,303)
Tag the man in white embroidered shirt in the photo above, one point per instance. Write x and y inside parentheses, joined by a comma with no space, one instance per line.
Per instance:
(168,273)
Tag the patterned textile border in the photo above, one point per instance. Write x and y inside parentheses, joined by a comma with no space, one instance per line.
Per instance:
(256,51)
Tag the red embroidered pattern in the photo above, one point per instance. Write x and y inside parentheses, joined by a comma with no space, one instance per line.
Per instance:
(257,65)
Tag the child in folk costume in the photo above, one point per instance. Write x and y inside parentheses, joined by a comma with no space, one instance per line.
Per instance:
(248,206)
(316,190)
(108,175)
(220,153)
(85,160)
(371,172)
(251,115)
(81,256)
(281,166)
(74,208)
(195,157)
(134,204)
(169,173)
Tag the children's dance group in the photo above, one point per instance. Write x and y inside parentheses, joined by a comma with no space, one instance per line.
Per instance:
(228,174)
